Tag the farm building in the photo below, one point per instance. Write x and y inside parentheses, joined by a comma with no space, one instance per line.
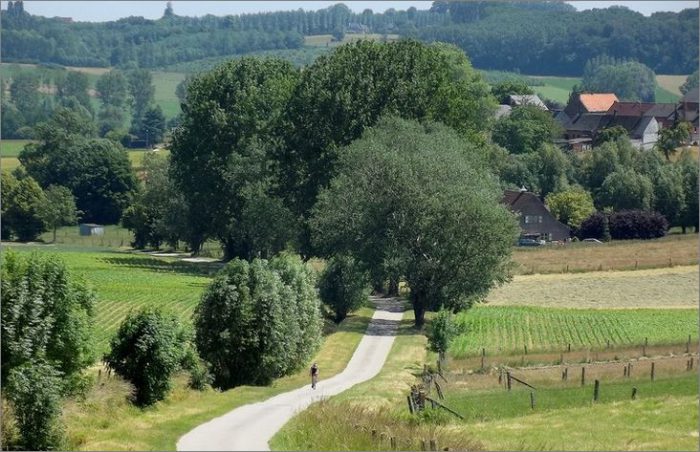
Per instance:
(582,129)
(516,100)
(91,229)
(580,103)
(535,218)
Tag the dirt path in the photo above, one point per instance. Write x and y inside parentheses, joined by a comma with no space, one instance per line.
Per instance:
(250,427)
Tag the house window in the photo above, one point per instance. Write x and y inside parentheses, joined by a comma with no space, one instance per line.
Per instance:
(533,219)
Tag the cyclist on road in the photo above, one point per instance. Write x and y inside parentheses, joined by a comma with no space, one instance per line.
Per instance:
(314,375)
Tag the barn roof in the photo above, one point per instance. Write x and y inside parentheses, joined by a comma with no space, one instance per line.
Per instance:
(597,102)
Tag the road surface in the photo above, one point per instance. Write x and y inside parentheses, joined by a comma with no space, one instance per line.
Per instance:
(250,427)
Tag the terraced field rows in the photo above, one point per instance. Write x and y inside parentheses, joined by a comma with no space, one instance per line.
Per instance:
(508,329)
(124,282)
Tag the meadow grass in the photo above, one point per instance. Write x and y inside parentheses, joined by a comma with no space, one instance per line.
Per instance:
(503,330)
(675,249)
(675,287)
(12,148)
(671,83)
(658,423)
(327,40)
(124,282)
(104,420)
(135,157)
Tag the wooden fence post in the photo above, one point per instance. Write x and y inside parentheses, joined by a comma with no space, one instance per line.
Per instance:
(691,363)
(624,371)
(410,404)
(423,446)
(532,400)
(483,354)
(596,390)
(561,358)
(508,380)
(526,349)
(634,393)
(433,444)
(569,348)
(629,370)
(687,345)
(583,376)
(392,443)
(652,371)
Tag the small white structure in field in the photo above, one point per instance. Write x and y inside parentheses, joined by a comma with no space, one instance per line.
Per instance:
(91,229)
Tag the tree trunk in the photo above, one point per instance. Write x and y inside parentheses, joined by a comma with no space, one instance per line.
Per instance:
(683,229)
(393,286)
(236,249)
(418,301)
(54,234)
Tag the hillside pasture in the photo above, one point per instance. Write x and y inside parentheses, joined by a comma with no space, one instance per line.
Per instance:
(507,330)
(671,83)
(327,40)
(12,148)
(674,249)
(124,282)
(665,288)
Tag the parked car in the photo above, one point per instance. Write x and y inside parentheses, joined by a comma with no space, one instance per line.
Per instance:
(592,241)
(530,242)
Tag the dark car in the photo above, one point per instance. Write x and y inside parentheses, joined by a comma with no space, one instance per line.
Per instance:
(530,242)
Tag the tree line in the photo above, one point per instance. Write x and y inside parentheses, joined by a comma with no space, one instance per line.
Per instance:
(496,35)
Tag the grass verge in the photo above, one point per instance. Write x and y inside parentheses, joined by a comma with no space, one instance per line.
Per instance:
(106,421)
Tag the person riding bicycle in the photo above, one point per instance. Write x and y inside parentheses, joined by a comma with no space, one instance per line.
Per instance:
(314,375)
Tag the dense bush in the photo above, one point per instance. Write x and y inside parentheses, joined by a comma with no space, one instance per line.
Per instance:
(34,388)
(344,286)
(46,314)
(442,331)
(637,224)
(23,215)
(257,321)
(627,224)
(148,348)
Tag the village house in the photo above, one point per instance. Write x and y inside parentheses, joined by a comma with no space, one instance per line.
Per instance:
(535,219)
(689,110)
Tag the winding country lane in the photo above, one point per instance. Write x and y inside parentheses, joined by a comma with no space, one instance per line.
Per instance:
(250,427)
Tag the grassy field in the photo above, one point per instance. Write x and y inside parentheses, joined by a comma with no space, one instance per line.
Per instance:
(106,421)
(558,88)
(665,288)
(10,163)
(124,282)
(12,148)
(327,40)
(165,82)
(676,249)
(508,329)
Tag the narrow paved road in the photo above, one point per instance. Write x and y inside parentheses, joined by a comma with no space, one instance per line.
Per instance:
(250,427)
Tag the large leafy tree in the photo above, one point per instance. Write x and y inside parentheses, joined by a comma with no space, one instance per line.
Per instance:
(342,94)
(571,206)
(46,314)
(420,192)
(671,138)
(690,83)
(75,85)
(59,209)
(344,286)
(23,214)
(221,155)
(689,169)
(630,80)
(147,349)
(526,129)
(626,190)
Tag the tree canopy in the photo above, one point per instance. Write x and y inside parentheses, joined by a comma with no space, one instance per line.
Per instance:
(409,189)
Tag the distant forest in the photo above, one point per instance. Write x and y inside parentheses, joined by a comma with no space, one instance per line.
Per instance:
(543,37)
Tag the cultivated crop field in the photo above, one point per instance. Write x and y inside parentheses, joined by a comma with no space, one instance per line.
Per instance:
(124,282)
(676,249)
(675,287)
(505,330)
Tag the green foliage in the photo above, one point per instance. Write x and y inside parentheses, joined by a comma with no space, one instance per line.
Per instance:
(97,171)
(153,126)
(47,314)
(610,134)
(345,92)
(526,129)
(442,331)
(75,85)
(688,167)
(406,189)
(667,180)
(23,213)
(59,208)
(222,156)
(344,286)
(113,89)
(629,80)
(250,321)
(7,185)
(626,189)
(503,89)
(571,206)
(34,388)
(148,348)
(670,138)
(690,83)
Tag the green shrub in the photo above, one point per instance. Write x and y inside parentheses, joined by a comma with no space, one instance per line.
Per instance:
(344,286)
(148,348)
(442,331)
(35,392)
(46,314)
(257,321)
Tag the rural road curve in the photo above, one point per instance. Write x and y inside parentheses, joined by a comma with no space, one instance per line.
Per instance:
(250,427)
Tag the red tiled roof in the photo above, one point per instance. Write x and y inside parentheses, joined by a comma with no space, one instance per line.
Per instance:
(597,102)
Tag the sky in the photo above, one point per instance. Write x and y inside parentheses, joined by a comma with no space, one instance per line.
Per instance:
(111,10)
